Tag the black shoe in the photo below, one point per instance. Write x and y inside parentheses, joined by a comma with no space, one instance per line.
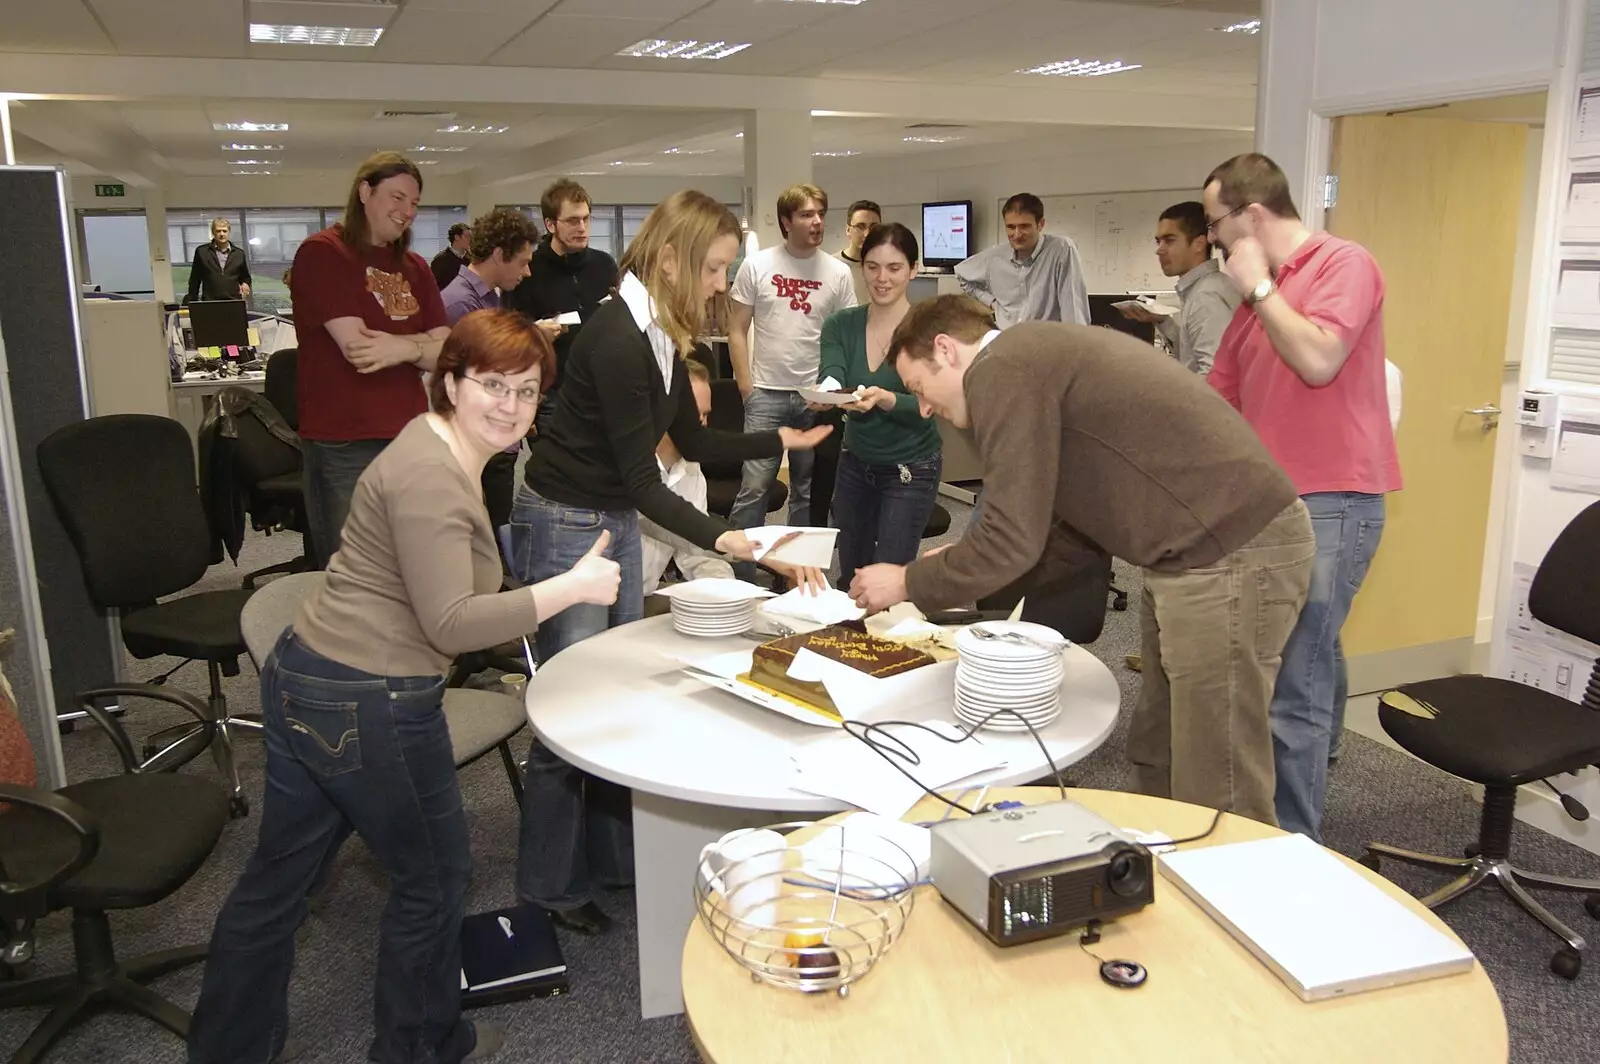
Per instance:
(586,919)
(293,1049)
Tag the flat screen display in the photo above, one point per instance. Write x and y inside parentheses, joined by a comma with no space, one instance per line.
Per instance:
(946,232)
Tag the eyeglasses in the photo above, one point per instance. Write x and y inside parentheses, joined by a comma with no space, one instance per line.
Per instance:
(528,393)
(580,220)
(1211,227)
(860,225)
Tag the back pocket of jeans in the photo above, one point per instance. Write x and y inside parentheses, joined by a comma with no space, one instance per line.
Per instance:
(1280,596)
(324,736)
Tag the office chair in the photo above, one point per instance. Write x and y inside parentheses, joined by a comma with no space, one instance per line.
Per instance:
(722,478)
(1074,606)
(282,367)
(938,523)
(1503,734)
(124,488)
(269,474)
(479,721)
(122,842)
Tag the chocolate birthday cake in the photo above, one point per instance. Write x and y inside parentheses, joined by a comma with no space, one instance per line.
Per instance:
(848,644)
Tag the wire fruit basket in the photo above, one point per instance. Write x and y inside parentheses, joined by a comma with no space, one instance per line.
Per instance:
(806,906)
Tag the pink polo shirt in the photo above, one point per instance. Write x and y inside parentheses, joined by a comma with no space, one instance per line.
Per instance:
(1337,437)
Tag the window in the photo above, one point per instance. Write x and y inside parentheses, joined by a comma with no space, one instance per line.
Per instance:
(270,237)
(612,226)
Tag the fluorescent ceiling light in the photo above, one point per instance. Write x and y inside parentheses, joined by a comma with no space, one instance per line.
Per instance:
(1081,68)
(689,151)
(255,162)
(658,48)
(255,171)
(346,36)
(425,162)
(852,3)
(1252,26)
(738,136)
(472,129)
(929,140)
(620,162)
(444,147)
(252,147)
(250,127)
(835,154)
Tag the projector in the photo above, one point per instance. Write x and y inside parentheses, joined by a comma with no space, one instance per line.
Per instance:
(1036,871)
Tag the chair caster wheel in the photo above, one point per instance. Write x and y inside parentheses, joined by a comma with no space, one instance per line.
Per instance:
(1471,849)
(1591,905)
(1370,860)
(1119,601)
(1567,963)
(238,808)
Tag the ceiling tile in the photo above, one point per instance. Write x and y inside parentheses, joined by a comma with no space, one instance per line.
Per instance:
(421,35)
(60,26)
(573,40)
(204,29)
(664,10)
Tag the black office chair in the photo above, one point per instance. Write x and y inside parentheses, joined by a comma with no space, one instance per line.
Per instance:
(1503,734)
(722,478)
(282,368)
(124,488)
(123,842)
(1074,606)
(269,472)
(938,523)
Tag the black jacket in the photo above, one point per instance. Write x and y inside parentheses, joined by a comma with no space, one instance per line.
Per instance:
(558,284)
(229,468)
(445,266)
(208,281)
(599,450)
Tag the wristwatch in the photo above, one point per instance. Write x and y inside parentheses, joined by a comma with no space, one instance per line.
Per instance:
(1262,290)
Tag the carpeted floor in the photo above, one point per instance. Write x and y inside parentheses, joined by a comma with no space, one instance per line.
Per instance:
(1374,793)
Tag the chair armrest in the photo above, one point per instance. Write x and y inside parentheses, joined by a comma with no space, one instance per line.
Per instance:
(29,900)
(119,737)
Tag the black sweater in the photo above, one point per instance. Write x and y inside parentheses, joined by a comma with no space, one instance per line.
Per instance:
(599,449)
(557,284)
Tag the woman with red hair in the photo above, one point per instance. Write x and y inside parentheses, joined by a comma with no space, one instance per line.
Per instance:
(352,697)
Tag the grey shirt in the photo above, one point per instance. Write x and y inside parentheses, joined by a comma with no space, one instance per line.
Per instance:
(1045,287)
(1208,300)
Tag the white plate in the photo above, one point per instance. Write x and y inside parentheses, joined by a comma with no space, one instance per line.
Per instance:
(1011,725)
(1050,677)
(1002,650)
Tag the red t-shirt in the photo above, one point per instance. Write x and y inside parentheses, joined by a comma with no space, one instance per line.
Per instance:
(390,291)
(1337,437)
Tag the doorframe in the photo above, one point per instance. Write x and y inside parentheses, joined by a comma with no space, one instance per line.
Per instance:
(1560,85)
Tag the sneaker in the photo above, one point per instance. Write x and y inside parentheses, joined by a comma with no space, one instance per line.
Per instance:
(491,1039)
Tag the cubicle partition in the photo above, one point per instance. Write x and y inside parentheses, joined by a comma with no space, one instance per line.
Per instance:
(61,644)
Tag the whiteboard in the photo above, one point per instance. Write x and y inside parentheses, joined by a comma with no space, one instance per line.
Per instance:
(1115,233)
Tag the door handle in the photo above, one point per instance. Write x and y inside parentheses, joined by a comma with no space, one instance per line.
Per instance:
(1490,415)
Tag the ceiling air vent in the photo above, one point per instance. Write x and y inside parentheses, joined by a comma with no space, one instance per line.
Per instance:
(443,116)
(937,125)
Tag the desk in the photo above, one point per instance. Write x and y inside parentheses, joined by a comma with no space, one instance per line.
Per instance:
(188,401)
(701,762)
(944,993)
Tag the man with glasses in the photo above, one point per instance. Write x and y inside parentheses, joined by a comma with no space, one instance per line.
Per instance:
(1303,361)
(566,276)
(859,220)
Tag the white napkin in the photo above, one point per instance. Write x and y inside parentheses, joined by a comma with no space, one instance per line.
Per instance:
(813,546)
(714,589)
(829,384)
(824,607)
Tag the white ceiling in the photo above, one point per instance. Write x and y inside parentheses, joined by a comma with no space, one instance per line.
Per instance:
(880,46)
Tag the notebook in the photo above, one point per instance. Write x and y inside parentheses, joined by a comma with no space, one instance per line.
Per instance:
(1316,922)
(511,949)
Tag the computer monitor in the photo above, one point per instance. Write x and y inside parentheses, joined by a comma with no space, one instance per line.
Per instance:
(219,323)
(946,233)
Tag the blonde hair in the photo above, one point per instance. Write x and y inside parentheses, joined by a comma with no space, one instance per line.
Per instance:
(377,169)
(685,225)
(794,198)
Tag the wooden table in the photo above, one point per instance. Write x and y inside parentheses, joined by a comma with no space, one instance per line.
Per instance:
(944,993)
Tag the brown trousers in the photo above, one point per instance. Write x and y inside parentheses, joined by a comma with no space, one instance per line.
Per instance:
(1212,642)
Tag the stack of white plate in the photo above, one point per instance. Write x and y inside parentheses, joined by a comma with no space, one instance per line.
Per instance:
(1020,671)
(712,616)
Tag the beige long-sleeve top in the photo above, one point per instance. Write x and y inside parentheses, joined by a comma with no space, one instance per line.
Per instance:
(416,578)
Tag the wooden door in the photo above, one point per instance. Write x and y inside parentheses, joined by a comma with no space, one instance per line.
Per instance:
(1436,201)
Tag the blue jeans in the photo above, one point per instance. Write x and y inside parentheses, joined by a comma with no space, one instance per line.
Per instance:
(1348,526)
(346,749)
(328,478)
(881,511)
(766,411)
(577,829)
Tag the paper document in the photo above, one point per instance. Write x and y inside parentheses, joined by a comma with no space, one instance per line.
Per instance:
(1578,294)
(571,317)
(843,767)
(1576,466)
(825,607)
(811,546)
(822,398)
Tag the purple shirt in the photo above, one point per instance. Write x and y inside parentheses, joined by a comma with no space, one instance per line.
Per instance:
(467,293)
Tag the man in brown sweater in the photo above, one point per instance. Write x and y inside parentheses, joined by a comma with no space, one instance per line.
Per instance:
(1093,443)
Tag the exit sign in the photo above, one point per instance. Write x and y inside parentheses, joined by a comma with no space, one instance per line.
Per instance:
(108,191)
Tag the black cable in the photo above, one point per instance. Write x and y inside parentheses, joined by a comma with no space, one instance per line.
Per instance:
(1216,819)
(884,748)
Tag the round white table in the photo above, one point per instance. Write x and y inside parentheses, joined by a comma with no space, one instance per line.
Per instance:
(702,762)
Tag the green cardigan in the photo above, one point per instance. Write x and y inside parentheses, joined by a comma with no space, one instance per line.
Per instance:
(879,437)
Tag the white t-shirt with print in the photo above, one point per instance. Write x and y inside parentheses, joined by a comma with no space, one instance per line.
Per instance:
(791,298)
